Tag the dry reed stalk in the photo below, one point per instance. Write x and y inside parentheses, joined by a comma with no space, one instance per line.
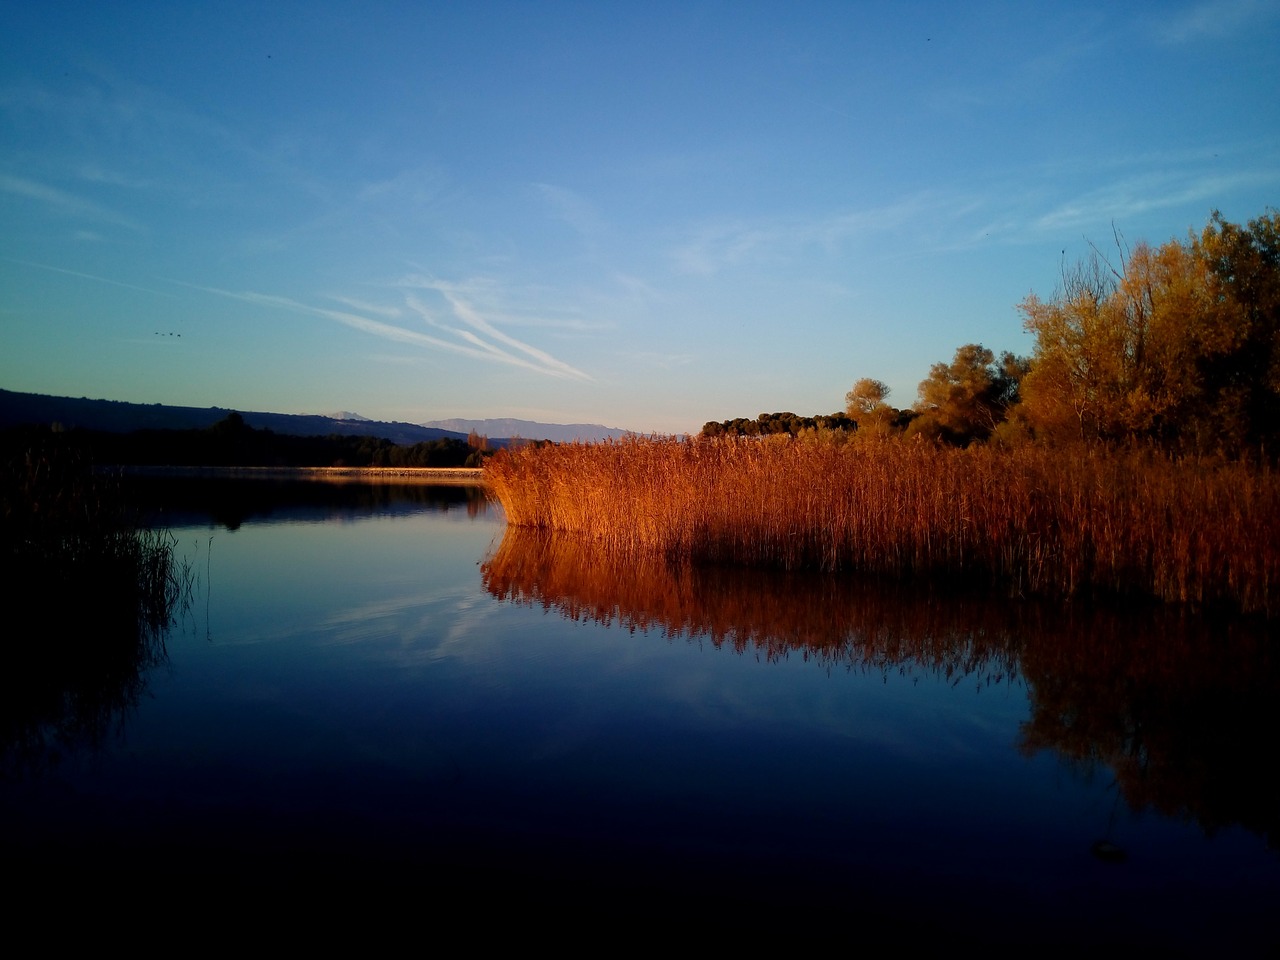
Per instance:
(1038,520)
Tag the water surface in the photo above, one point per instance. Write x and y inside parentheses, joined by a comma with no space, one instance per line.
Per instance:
(374,689)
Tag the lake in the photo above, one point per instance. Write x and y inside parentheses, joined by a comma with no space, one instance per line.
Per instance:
(381,689)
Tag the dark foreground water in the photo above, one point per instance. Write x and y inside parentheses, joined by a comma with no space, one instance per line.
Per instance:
(377,704)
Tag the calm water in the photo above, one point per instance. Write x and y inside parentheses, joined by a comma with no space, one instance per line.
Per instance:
(372,689)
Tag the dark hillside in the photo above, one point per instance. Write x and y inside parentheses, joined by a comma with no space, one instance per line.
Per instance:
(113,416)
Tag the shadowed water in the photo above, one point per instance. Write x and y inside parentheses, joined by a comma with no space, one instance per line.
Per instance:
(380,689)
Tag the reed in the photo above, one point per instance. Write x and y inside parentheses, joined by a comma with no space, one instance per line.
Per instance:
(93,596)
(67,533)
(1032,519)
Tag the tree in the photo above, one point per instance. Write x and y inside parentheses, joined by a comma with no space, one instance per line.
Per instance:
(1179,344)
(867,407)
(1242,374)
(1065,390)
(968,398)
(866,395)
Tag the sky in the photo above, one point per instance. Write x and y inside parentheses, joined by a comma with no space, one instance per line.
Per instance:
(643,215)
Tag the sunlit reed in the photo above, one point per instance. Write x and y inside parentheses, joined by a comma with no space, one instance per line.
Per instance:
(1031,519)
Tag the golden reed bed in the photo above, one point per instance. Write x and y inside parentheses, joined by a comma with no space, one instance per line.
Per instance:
(1034,519)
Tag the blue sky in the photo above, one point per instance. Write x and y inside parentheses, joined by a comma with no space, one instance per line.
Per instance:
(643,215)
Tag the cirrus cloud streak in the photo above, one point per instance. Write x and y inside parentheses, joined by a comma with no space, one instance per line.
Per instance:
(474,346)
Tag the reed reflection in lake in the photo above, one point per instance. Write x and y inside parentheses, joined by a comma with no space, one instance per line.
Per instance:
(1177,708)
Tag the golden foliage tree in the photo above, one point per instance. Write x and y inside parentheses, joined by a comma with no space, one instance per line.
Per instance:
(1179,344)
(969,397)
(867,407)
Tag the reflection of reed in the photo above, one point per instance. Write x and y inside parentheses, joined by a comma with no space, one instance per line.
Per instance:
(97,596)
(1182,709)
(825,617)
(73,687)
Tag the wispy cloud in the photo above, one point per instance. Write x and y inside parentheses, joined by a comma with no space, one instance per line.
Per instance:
(719,246)
(472,346)
(414,187)
(93,173)
(715,247)
(496,301)
(1212,20)
(1136,195)
(67,204)
(1021,76)
(636,287)
(572,208)
(365,307)
(88,276)
(480,332)
(1068,194)
(664,361)
(105,130)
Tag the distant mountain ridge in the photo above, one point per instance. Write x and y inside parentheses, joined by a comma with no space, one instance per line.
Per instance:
(531,430)
(118,416)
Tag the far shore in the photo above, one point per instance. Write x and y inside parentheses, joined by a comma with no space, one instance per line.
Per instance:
(466,476)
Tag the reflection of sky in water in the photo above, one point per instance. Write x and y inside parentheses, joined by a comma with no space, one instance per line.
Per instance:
(360,670)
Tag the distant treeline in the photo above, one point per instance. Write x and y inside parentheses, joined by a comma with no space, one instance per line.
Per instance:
(233,443)
(771,423)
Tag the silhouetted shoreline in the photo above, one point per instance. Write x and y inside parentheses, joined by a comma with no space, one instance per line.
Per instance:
(461,475)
